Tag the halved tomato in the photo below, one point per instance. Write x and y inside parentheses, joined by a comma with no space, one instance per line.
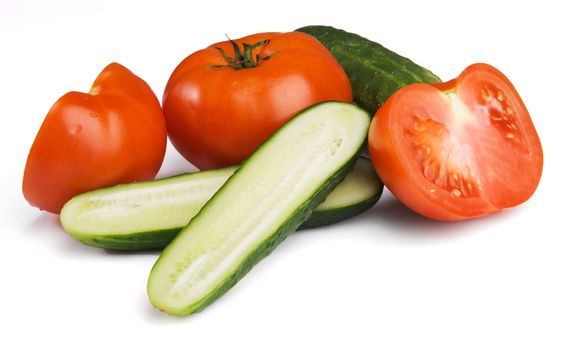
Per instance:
(460,149)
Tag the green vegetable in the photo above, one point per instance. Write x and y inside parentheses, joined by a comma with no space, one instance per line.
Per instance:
(374,71)
(359,191)
(267,198)
(148,215)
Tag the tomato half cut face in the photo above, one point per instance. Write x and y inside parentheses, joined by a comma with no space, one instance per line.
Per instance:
(457,150)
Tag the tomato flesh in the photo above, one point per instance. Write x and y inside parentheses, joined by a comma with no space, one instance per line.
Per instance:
(460,149)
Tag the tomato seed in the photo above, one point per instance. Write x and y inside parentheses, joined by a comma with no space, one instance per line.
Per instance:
(429,171)
(418,126)
(485,94)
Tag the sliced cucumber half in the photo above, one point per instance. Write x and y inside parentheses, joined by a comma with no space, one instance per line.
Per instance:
(148,215)
(268,197)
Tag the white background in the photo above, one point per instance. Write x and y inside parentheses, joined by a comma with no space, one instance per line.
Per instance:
(387,279)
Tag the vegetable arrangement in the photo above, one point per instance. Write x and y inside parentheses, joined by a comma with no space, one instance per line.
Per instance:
(268,119)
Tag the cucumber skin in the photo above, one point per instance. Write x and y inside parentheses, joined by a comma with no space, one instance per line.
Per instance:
(375,72)
(132,242)
(159,239)
(299,216)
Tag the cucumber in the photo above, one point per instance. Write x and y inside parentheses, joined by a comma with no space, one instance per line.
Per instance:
(359,191)
(148,215)
(268,197)
(374,71)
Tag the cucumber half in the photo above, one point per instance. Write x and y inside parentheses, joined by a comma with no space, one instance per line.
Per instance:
(148,215)
(268,197)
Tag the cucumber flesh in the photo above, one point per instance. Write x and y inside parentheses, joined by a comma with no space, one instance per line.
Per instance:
(142,215)
(268,197)
(148,215)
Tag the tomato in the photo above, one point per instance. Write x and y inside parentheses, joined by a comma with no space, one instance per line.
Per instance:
(457,150)
(221,102)
(114,134)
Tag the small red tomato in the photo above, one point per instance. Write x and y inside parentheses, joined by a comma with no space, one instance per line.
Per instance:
(223,101)
(114,134)
(457,150)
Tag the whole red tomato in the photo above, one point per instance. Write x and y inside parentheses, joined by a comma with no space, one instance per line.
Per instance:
(457,150)
(223,101)
(114,134)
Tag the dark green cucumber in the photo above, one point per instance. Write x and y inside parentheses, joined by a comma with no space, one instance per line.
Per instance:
(267,198)
(148,215)
(374,71)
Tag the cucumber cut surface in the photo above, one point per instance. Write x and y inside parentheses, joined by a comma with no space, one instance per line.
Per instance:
(148,215)
(268,197)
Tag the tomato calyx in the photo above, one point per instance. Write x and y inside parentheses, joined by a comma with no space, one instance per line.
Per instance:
(244,59)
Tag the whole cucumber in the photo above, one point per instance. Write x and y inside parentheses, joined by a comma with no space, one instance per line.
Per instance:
(374,71)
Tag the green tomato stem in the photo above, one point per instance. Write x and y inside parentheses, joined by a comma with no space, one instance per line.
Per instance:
(243,59)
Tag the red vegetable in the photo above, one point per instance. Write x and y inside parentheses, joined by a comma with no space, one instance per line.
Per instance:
(114,134)
(222,102)
(457,150)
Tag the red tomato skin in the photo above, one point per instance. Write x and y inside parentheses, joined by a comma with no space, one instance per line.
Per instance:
(114,134)
(403,179)
(218,116)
